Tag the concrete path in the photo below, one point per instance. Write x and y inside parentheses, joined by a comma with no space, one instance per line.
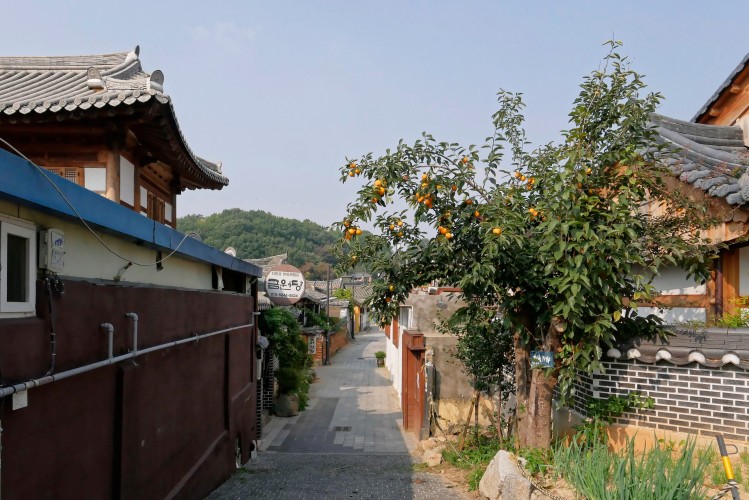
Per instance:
(348,443)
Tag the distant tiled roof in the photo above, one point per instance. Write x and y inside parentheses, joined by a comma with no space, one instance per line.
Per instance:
(32,88)
(712,348)
(710,157)
(314,295)
(362,292)
(268,263)
(723,86)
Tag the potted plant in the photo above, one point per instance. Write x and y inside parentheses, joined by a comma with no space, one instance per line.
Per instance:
(380,355)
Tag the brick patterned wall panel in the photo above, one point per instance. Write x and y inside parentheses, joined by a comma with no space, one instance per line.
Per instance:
(691,398)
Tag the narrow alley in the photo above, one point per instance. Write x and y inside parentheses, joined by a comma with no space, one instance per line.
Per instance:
(348,443)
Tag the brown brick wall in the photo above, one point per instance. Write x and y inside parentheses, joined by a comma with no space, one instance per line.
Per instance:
(337,341)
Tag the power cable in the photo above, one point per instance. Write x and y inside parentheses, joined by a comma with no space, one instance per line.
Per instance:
(98,238)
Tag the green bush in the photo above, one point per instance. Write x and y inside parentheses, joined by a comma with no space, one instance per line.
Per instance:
(284,333)
(289,379)
(380,355)
(657,473)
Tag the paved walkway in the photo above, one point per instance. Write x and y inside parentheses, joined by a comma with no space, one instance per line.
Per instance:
(348,443)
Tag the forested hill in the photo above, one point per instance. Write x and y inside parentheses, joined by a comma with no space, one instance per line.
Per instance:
(258,234)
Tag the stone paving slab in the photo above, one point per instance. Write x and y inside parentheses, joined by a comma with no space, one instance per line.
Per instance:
(348,443)
(282,476)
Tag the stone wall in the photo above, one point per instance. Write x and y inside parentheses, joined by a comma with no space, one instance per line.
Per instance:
(689,399)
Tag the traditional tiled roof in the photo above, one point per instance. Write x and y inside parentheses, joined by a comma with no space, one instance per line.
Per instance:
(37,88)
(268,263)
(723,86)
(712,348)
(314,295)
(710,157)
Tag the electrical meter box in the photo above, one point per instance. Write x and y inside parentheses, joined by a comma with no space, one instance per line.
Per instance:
(52,250)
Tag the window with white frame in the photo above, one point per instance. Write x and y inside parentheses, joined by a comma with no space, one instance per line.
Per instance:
(17,266)
(405,318)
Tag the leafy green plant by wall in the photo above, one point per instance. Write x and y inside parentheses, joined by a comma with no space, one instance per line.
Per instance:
(329,324)
(284,333)
(601,412)
(739,318)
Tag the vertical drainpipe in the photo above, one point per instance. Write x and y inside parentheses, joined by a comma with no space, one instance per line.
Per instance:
(134,317)
(327,324)
(1,459)
(718,309)
(429,385)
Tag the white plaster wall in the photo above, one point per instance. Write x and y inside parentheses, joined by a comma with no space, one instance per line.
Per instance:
(673,281)
(393,360)
(85,257)
(675,314)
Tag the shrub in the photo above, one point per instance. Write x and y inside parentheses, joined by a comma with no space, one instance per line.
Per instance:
(283,331)
(289,379)
(380,355)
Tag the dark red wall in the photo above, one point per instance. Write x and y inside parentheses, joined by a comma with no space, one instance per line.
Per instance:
(161,425)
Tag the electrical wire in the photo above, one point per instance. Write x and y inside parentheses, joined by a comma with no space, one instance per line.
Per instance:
(98,238)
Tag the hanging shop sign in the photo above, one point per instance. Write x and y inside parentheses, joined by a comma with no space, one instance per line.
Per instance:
(284,285)
(542,359)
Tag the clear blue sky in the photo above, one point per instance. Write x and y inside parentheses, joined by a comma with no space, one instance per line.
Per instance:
(282,91)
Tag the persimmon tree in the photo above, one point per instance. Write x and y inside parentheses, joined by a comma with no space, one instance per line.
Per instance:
(560,241)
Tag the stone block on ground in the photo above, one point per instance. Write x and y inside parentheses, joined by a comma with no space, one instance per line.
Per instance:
(432,457)
(286,405)
(502,479)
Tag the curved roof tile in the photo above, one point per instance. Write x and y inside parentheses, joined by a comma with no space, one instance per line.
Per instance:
(712,348)
(710,157)
(70,83)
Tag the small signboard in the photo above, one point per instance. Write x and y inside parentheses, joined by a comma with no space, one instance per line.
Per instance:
(312,344)
(542,359)
(20,400)
(284,285)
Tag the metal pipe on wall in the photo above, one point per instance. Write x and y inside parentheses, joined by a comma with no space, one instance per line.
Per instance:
(25,386)
(134,317)
(110,335)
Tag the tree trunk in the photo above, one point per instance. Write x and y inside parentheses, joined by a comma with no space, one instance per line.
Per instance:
(476,416)
(465,429)
(535,399)
(500,433)
(522,388)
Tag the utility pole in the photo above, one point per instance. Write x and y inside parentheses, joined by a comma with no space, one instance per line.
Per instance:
(327,324)
(353,309)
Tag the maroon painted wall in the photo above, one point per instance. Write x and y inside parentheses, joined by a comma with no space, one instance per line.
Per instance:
(162,425)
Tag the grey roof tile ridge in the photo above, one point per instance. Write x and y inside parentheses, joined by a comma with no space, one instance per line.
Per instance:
(17,78)
(695,149)
(62,63)
(703,128)
(60,82)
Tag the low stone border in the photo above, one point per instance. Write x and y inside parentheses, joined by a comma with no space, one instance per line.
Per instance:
(502,479)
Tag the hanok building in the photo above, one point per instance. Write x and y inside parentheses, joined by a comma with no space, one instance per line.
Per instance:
(127,349)
(105,124)
(699,378)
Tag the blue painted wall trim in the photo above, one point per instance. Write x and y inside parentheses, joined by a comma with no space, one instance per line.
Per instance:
(22,183)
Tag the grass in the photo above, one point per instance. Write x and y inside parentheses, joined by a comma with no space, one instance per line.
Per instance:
(474,458)
(715,476)
(659,472)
